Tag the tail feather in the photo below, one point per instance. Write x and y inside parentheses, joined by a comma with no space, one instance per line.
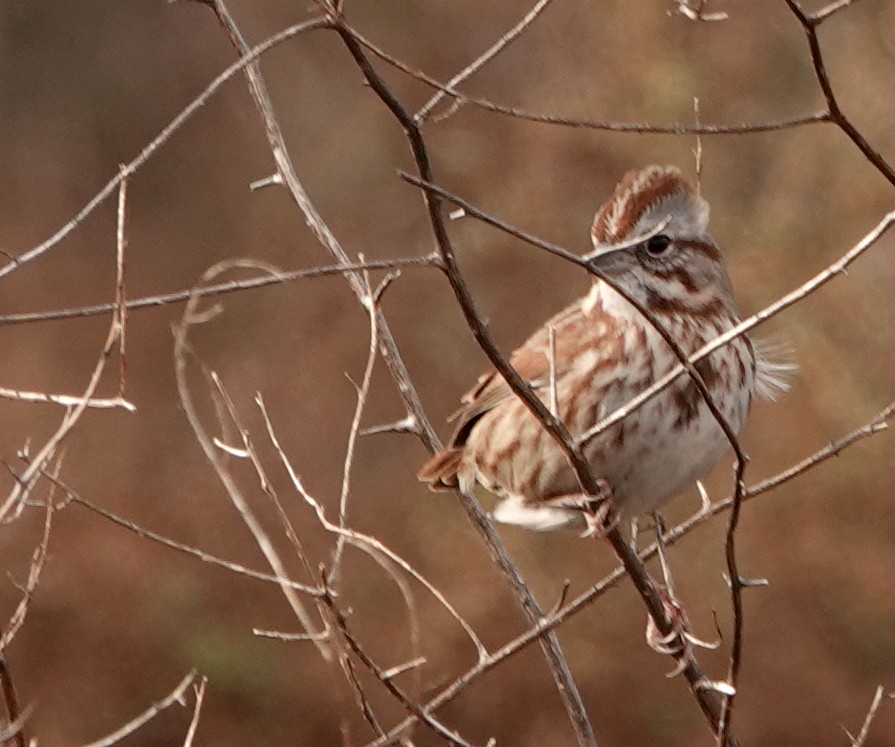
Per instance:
(441,470)
(775,367)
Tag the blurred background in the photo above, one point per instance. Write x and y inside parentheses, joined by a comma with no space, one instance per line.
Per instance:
(117,620)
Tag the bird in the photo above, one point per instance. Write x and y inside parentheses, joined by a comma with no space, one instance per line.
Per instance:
(651,245)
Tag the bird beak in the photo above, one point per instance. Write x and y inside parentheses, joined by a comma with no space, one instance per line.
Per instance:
(609,260)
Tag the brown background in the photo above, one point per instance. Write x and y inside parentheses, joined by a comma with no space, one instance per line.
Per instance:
(117,620)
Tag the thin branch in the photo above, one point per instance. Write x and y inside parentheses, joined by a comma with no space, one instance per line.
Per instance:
(695,11)
(120,295)
(363,703)
(25,482)
(836,115)
(150,713)
(508,38)
(420,713)
(191,316)
(130,168)
(199,694)
(559,667)
(217,289)
(38,558)
(195,552)
(824,13)
(875,425)
(590,124)
(228,415)
(372,305)
(286,170)
(68,400)
(861,739)
(367,543)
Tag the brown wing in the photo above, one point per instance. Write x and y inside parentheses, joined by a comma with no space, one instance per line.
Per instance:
(532,361)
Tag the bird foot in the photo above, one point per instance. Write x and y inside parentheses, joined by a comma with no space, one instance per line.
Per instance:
(678,642)
(598,510)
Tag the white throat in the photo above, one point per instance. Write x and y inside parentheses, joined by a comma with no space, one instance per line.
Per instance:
(607,298)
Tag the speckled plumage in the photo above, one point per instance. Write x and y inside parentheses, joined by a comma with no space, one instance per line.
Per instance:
(605,353)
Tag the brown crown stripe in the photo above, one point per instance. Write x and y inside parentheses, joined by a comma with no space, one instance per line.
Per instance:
(637,192)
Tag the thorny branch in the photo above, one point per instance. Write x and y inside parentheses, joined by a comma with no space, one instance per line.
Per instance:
(875,425)
(834,112)
(420,713)
(558,665)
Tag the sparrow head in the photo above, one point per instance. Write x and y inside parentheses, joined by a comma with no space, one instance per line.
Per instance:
(651,238)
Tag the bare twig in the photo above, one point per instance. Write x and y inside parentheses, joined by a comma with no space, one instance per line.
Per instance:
(835,114)
(590,124)
(821,15)
(199,694)
(68,400)
(216,289)
(372,306)
(420,713)
(559,667)
(195,552)
(13,730)
(37,563)
(120,295)
(695,11)
(477,64)
(371,545)
(131,167)
(191,315)
(289,178)
(25,481)
(861,738)
(176,696)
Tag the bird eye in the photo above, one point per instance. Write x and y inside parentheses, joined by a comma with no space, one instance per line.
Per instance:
(658,244)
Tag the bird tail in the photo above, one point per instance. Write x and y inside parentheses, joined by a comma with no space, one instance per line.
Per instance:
(440,472)
(775,367)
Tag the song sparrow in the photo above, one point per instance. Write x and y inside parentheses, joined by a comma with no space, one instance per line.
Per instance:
(651,239)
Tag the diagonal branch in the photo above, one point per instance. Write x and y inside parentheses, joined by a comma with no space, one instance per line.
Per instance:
(558,665)
(215,289)
(836,115)
(676,128)
(508,38)
(875,425)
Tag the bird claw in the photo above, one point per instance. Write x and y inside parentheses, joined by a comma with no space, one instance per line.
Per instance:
(600,521)
(679,642)
(600,514)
